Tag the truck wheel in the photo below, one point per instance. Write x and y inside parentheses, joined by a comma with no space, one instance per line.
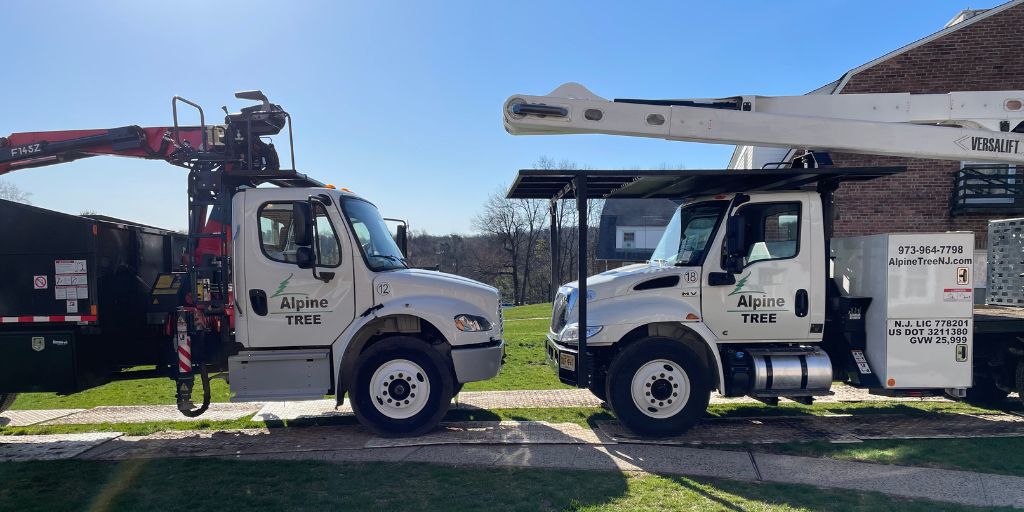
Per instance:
(7,400)
(658,387)
(402,386)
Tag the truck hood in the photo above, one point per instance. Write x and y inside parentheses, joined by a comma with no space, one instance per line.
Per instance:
(409,282)
(620,281)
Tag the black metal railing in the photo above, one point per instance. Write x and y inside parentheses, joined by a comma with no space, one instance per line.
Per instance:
(988,188)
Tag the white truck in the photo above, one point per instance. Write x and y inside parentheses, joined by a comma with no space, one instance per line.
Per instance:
(747,293)
(297,291)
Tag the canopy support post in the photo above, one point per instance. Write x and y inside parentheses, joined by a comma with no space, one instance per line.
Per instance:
(582,364)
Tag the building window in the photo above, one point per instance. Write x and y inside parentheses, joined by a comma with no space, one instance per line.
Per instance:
(628,239)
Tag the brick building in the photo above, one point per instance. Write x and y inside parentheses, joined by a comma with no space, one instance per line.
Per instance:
(978,50)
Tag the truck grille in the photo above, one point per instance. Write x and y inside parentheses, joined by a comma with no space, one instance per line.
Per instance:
(558,312)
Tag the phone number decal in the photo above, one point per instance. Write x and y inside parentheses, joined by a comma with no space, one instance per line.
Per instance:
(931,249)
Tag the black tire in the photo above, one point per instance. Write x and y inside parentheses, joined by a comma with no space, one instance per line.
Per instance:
(641,356)
(436,373)
(985,391)
(458,388)
(7,400)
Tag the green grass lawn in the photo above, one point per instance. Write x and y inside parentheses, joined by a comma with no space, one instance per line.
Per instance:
(986,455)
(525,369)
(214,485)
(1001,455)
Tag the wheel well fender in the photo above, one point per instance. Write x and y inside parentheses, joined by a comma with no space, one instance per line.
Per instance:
(373,330)
(690,336)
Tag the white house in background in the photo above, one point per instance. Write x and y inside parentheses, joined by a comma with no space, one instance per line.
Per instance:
(630,228)
(638,237)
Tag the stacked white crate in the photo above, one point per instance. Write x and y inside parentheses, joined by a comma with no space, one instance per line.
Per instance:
(1005,262)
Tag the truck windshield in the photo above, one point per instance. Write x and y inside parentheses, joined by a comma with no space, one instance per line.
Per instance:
(688,234)
(379,248)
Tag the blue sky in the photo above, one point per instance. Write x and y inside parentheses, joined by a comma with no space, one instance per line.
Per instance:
(400,101)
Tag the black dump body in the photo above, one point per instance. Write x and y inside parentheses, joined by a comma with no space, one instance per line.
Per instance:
(75,297)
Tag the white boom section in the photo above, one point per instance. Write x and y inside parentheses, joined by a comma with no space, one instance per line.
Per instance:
(960,126)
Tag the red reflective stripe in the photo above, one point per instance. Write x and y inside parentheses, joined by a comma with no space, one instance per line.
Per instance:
(45,319)
(184,366)
(182,351)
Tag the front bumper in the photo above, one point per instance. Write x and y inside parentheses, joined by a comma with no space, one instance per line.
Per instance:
(479,362)
(563,360)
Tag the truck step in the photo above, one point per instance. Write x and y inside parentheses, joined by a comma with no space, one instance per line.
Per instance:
(279,375)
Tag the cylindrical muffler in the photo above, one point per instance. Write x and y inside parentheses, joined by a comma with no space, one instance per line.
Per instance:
(791,370)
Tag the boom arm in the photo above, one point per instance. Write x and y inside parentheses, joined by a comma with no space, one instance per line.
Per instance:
(973,126)
(36,149)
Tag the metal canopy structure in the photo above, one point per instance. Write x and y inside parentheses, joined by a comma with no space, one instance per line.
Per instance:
(581,185)
(622,184)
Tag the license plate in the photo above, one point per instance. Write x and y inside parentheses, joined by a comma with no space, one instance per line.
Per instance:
(567,361)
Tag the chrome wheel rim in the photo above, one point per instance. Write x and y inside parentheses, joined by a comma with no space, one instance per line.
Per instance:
(660,388)
(399,389)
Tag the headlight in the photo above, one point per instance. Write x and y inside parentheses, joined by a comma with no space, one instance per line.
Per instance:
(471,323)
(571,333)
(574,295)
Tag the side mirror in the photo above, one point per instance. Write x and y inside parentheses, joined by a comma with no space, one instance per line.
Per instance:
(735,244)
(304,257)
(302,222)
(403,239)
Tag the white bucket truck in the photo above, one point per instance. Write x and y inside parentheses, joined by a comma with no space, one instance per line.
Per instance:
(747,293)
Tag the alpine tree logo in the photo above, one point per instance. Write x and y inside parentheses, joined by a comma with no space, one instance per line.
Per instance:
(283,285)
(740,287)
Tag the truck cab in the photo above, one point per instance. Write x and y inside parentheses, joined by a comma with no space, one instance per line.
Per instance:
(747,294)
(326,303)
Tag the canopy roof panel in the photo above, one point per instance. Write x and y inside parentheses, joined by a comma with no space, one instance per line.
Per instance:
(662,184)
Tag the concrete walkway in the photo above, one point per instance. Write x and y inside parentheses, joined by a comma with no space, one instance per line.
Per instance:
(527,399)
(528,445)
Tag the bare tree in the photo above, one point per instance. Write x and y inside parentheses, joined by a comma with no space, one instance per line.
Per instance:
(12,192)
(516,225)
(567,226)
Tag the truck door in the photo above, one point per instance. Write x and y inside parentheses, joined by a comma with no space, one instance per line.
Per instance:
(286,305)
(772,297)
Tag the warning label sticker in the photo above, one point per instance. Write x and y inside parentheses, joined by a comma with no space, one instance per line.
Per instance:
(957,295)
(40,282)
(69,266)
(72,279)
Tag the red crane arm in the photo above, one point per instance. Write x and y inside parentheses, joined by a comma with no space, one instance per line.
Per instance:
(35,149)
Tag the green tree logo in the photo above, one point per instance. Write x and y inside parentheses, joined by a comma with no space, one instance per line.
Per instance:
(284,286)
(742,283)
